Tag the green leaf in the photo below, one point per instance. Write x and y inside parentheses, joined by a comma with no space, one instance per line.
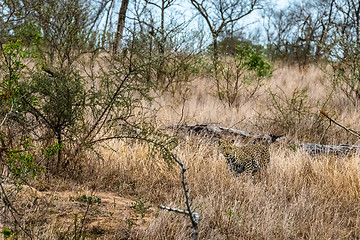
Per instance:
(6,233)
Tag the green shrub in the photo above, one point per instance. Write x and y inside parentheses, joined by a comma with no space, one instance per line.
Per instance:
(242,75)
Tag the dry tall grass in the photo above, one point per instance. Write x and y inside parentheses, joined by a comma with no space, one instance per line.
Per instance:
(303,197)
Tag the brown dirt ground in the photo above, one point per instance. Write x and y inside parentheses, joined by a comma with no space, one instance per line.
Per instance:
(113,216)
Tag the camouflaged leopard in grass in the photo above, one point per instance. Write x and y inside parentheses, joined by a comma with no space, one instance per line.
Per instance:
(249,158)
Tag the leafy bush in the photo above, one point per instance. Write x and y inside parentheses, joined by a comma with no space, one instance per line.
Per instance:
(11,70)
(249,59)
(17,149)
(21,162)
(29,34)
(6,233)
(242,75)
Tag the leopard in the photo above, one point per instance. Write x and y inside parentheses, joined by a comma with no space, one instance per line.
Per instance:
(251,158)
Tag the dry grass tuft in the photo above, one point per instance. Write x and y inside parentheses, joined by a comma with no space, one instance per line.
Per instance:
(302,197)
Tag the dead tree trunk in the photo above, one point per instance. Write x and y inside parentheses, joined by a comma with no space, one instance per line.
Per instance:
(120,25)
(219,132)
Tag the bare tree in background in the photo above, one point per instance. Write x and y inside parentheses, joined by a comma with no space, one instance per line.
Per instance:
(312,21)
(278,30)
(164,40)
(343,48)
(299,32)
(218,14)
(162,6)
(325,31)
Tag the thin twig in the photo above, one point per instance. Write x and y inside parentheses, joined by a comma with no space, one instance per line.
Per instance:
(8,204)
(173,209)
(346,128)
(83,221)
(11,109)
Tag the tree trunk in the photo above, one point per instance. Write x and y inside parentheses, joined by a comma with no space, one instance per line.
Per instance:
(59,155)
(216,62)
(120,25)
(161,73)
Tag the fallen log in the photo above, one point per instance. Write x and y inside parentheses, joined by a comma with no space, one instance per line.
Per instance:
(219,132)
(314,148)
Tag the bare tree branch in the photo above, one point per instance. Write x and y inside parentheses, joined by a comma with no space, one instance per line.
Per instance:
(194,216)
(342,126)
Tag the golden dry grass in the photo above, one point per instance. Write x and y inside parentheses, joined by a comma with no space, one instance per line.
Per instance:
(300,197)
(303,197)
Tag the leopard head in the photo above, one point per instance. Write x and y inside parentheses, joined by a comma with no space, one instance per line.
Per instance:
(226,147)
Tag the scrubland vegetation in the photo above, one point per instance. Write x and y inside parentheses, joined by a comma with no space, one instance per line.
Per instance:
(89,116)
